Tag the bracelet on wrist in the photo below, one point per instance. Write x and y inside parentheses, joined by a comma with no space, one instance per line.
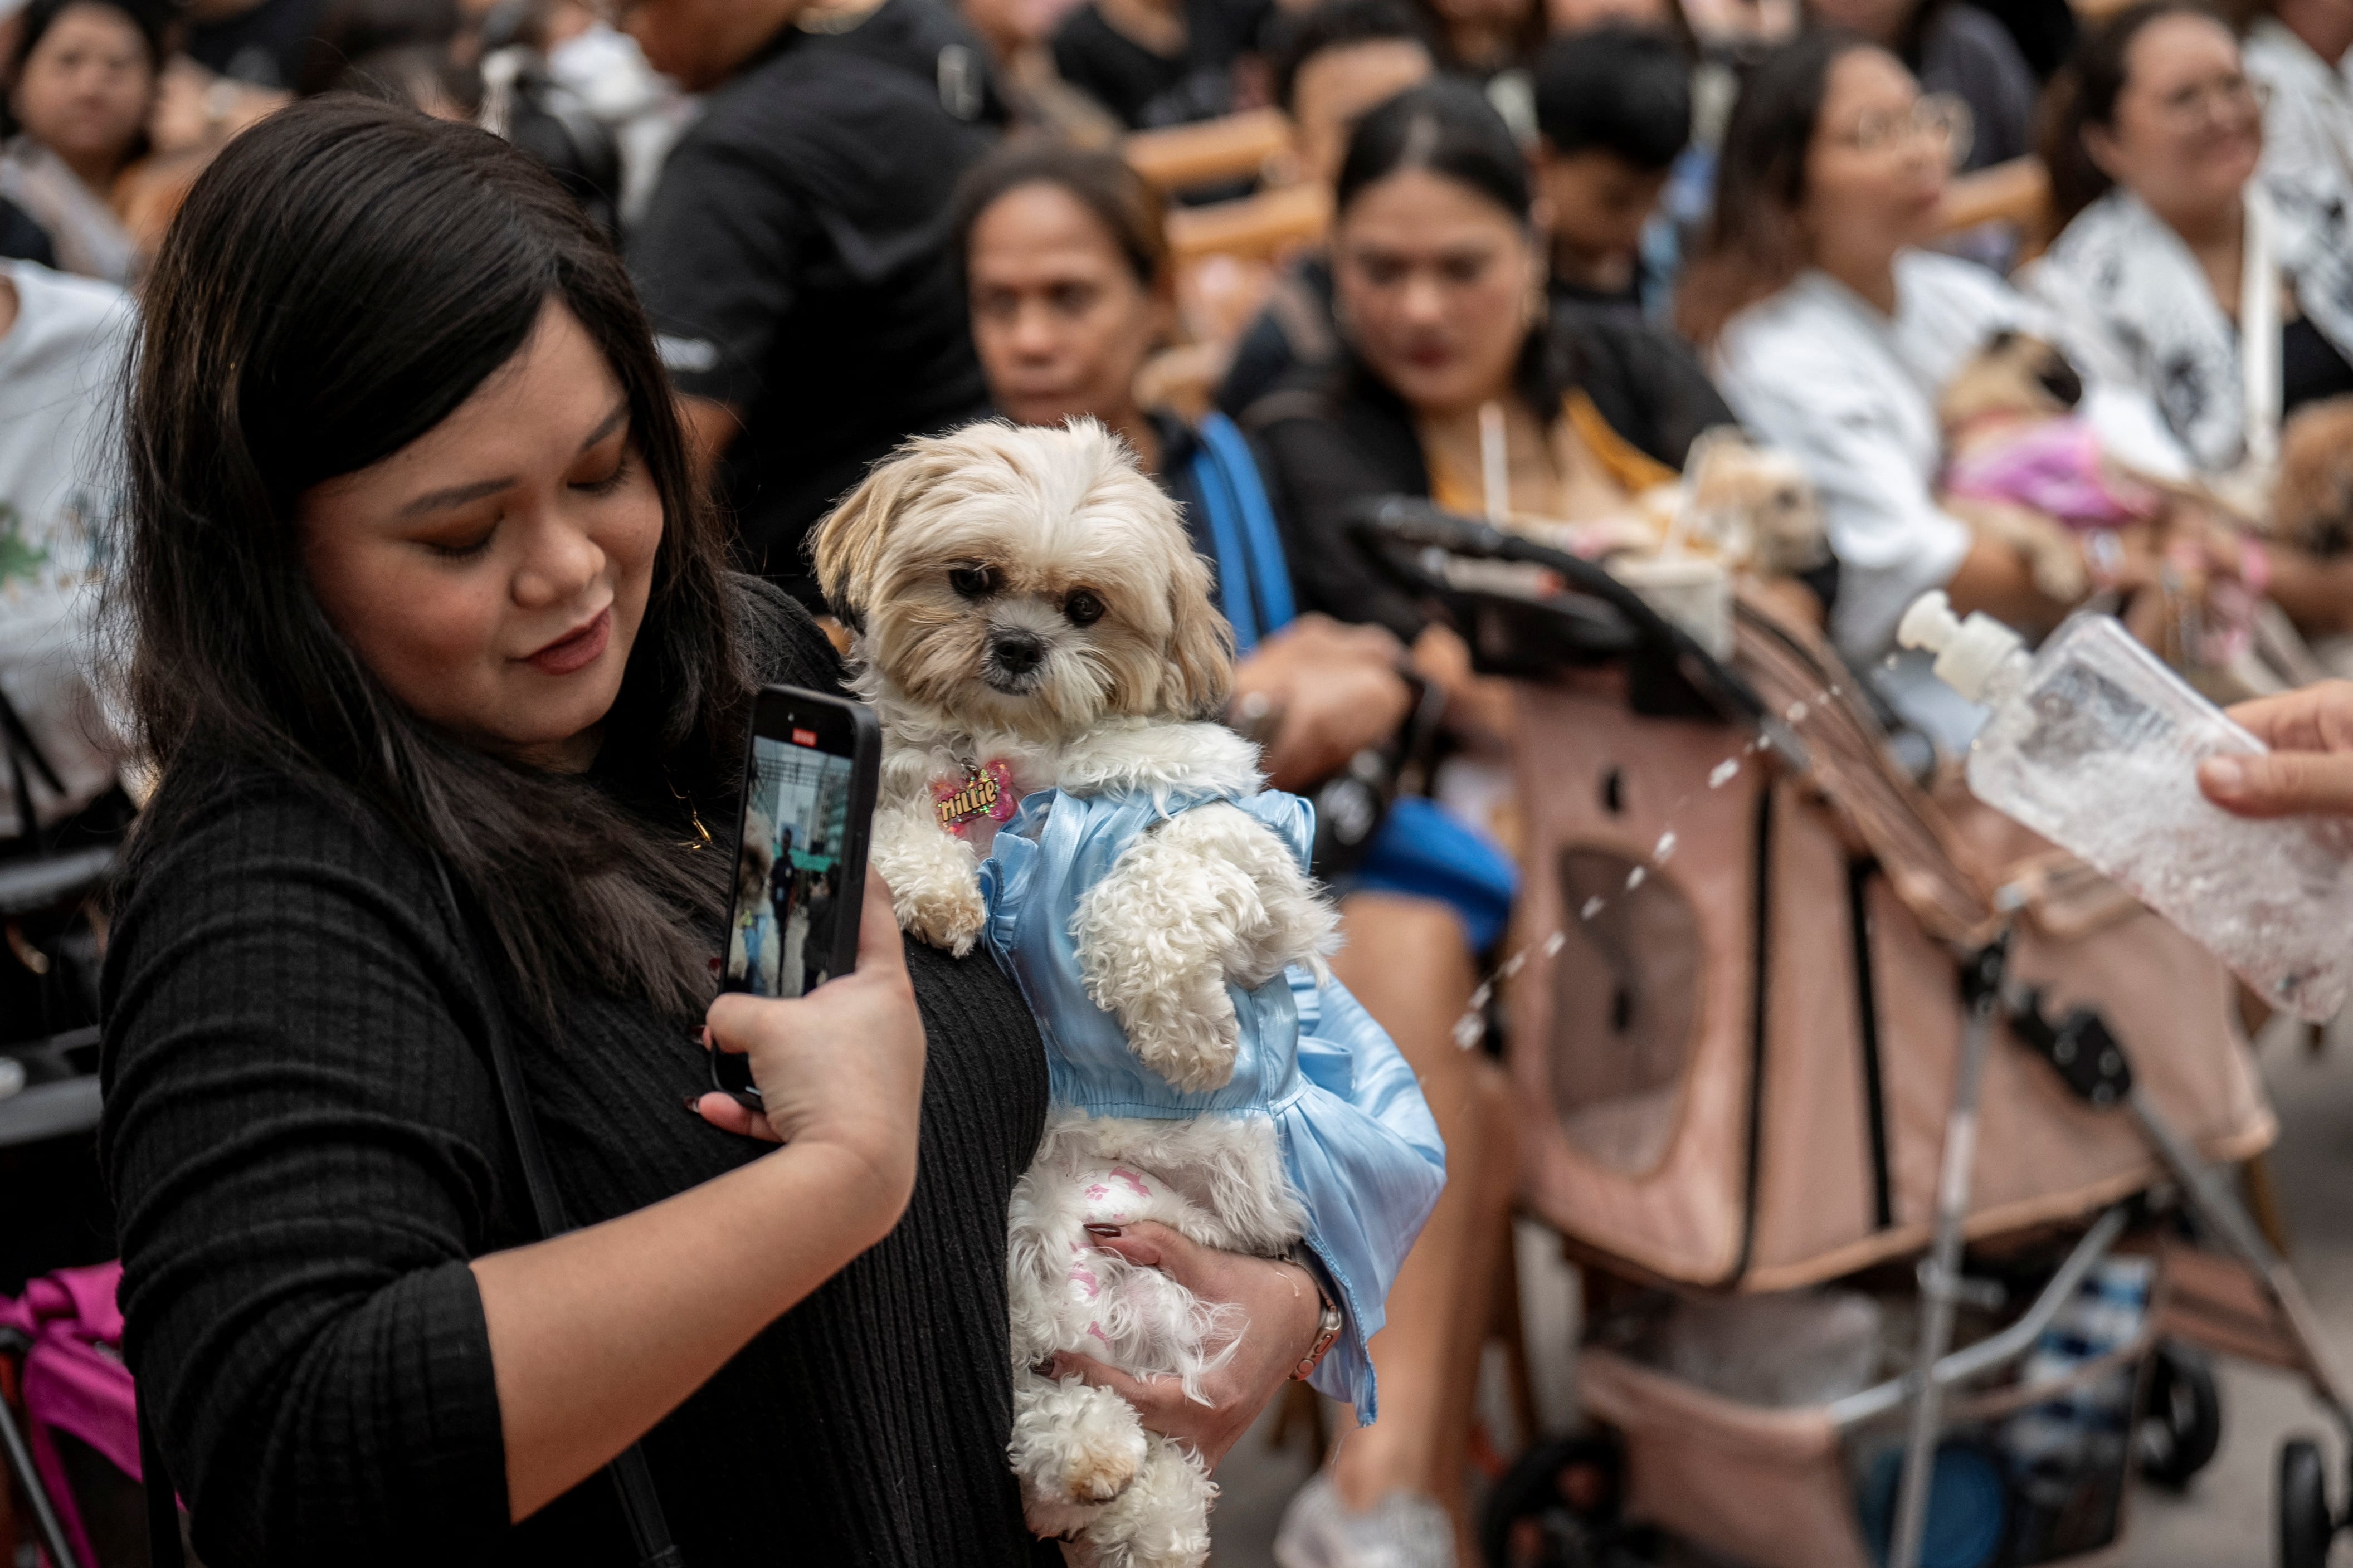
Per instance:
(1328,1326)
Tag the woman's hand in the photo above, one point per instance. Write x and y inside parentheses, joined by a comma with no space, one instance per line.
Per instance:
(1478,707)
(841,1066)
(1337,689)
(599,1333)
(1284,1314)
(2309,769)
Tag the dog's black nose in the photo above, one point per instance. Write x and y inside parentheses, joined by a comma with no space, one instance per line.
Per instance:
(1017,653)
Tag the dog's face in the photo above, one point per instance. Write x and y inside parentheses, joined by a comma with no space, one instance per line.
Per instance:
(1760,500)
(1025,579)
(2015,373)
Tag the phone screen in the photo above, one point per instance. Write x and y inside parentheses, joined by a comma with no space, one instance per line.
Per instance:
(789,869)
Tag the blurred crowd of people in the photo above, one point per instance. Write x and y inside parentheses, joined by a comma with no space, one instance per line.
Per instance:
(1561,240)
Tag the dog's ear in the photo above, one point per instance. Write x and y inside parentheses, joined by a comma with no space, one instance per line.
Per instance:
(2059,378)
(1200,644)
(847,547)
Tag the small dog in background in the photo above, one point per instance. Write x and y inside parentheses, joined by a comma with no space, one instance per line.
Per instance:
(2023,468)
(1752,506)
(1746,508)
(2312,499)
(1031,625)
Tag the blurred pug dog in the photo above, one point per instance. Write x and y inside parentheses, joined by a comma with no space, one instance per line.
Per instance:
(2022,467)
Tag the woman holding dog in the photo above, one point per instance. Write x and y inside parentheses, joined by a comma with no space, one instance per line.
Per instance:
(1066,262)
(2226,299)
(1834,330)
(434,651)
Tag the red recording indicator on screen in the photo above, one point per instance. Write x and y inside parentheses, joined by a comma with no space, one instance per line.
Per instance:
(805,737)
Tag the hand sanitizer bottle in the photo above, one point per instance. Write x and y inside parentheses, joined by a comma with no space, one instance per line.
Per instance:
(2093,742)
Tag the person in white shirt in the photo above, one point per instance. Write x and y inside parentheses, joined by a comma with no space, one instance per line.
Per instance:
(62,339)
(81,81)
(1833,331)
(2226,299)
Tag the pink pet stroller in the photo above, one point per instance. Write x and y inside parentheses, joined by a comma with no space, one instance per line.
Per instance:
(1753,1013)
(80,1438)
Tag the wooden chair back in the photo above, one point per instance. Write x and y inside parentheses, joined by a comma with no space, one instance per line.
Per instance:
(1234,147)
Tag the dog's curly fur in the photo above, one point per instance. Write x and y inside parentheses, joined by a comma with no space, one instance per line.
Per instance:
(1029,596)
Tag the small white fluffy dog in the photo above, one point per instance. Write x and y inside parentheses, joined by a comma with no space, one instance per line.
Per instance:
(1029,614)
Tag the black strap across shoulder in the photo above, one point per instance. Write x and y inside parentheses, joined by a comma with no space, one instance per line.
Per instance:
(633,1479)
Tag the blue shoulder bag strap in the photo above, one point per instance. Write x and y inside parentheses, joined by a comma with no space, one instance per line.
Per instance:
(1224,517)
(1267,567)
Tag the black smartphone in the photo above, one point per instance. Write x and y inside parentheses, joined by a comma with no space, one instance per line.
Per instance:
(809,773)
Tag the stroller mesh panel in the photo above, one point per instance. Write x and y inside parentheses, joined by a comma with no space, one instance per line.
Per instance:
(1626,995)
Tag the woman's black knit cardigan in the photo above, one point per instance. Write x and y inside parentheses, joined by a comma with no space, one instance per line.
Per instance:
(304,1142)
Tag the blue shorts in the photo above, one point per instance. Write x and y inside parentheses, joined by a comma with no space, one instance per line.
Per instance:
(1421,851)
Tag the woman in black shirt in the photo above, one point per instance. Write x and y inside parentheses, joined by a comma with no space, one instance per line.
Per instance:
(418,582)
(1439,292)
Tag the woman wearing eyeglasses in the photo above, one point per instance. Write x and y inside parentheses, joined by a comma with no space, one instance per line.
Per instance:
(2228,308)
(2226,299)
(1833,331)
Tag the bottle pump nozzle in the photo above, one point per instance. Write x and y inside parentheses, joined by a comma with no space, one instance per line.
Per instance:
(1967,651)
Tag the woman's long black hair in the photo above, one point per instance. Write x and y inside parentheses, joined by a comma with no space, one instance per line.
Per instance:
(340,279)
(1752,246)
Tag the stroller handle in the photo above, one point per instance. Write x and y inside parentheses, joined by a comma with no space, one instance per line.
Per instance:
(1392,528)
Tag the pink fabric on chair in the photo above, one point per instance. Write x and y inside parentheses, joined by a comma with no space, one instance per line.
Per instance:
(75,1381)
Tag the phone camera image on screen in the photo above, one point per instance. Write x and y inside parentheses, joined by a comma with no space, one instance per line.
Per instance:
(788,869)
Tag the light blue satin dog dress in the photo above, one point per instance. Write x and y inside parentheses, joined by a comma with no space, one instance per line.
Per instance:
(1358,1140)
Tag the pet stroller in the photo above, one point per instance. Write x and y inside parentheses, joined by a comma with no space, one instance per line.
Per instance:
(1752,1014)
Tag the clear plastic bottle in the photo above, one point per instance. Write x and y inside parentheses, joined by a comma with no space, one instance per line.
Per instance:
(2093,742)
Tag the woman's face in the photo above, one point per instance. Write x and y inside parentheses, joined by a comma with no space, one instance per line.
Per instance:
(86,88)
(1059,319)
(1876,167)
(1437,285)
(492,573)
(2188,128)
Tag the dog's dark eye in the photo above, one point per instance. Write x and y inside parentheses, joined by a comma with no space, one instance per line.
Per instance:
(973,582)
(1081,608)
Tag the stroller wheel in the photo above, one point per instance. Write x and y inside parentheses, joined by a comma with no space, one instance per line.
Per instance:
(2305,1526)
(2181,1425)
(1557,1506)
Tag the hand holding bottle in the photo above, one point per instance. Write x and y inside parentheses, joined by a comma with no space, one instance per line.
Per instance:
(2309,769)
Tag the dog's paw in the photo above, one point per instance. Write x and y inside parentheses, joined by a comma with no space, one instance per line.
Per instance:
(1161,1521)
(946,918)
(1075,1447)
(1192,1046)
(2060,574)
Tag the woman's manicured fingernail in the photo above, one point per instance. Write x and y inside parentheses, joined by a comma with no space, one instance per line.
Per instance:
(1105,1230)
(2222,775)
(694,1105)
